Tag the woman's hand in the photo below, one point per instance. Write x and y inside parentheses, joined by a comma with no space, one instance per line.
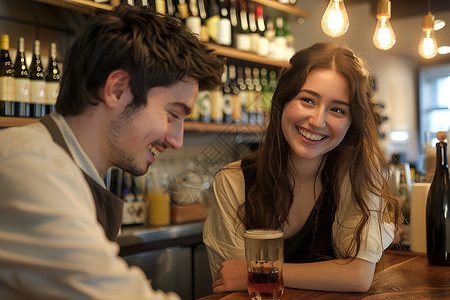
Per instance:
(232,276)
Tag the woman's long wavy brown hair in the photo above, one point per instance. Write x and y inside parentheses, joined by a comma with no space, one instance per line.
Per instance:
(359,154)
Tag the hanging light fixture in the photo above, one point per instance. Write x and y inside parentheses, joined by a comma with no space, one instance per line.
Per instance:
(335,19)
(428,45)
(384,36)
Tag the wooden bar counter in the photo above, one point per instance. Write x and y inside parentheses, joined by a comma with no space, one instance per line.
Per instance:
(399,275)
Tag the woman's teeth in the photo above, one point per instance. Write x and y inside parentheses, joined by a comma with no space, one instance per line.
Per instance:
(310,136)
(153,150)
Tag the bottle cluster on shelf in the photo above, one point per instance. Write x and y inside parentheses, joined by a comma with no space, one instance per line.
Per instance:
(240,24)
(244,98)
(27,91)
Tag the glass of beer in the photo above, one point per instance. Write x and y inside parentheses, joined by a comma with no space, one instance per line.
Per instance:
(264,254)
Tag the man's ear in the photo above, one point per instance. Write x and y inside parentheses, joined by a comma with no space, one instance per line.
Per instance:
(115,85)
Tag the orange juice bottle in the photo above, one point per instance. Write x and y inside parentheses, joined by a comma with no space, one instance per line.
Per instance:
(159,202)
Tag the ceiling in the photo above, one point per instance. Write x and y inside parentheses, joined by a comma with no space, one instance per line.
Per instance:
(406,21)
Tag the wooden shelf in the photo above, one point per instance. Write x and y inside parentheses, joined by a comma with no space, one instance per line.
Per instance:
(212,127)
(288,8)
(88,7)
(16,121)
(248,56)
(83,6)
(188,125)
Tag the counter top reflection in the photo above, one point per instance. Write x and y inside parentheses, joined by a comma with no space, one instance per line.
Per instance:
(399,275)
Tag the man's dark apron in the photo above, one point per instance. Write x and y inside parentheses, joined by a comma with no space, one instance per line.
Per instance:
(108,205)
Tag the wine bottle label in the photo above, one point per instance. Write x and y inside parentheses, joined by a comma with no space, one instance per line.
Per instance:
(205,106)
(263,46)
(195,25)
(37,91)
(217,106)
(224,32)
(51,92)
(243,42)
(22,89)
(7,88)
(254,42)
(160,6)
(236,114)
(183,9)
(243,95)
(212,25)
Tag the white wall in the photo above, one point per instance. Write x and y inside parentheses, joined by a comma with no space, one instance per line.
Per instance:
(395,75)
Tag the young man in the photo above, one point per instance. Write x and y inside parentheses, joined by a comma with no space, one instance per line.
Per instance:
(129,80)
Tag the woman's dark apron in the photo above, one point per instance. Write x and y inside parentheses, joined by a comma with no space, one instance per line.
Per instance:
(314,240)
(108,205)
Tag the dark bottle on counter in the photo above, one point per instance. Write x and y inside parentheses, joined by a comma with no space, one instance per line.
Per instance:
(37,82)
(438,209)
(6,78)
(21,82)
(52,79)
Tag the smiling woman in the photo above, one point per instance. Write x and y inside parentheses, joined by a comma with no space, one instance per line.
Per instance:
(320,176)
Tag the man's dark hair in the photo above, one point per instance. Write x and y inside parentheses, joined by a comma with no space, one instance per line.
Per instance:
(155,50)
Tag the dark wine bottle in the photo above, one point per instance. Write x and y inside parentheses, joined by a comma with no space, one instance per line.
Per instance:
(52,78)
(252,26)
(21,82)
(170,8)
(182,10)
(6,78)
(37,82)
(438,206)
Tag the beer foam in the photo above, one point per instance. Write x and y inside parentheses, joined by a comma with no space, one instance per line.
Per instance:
(263,234)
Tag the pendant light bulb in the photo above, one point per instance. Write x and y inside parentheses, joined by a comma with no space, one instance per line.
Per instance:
(384,37)
(335,19)
(428,45)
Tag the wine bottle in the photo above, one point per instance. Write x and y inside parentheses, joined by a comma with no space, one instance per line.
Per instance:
(280,41)
(37,82)
(204,100)
(266,94)
(437,211)
(227,97)
(217,104)
(170,8)
(183,10)
(52,79)
(160,7)
(236,109)
(290,49)
(232,8)
(193,21)
(263,41)
(270,35)
(258,97)
(243,34)
(254,35)
(243,95)
(224,26)
(204,37)
(251,96)
(21,82)
(212,21)
(6,78)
